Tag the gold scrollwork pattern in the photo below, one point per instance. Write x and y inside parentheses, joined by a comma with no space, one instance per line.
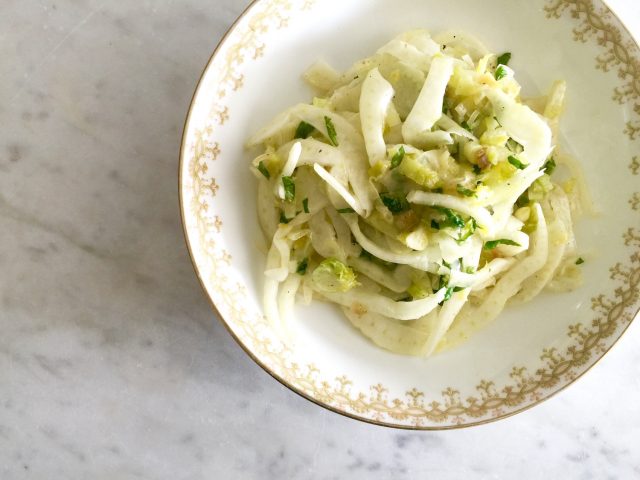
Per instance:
(611,312)
(618,50)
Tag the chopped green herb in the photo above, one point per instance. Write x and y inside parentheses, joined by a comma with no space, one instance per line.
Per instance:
(263,170)
(305,205)
(465,191)
(477,170)
(397,158)
(453,219)
(438,190)
(448,294)
(445,106)
(469,229)
(517,163)
(514,146)
(283,218)
(458,289)
(346,210)
(331,131)
(443,281)
(435,225)
(289,188)
(550,166)
(395,203)
(503,241)
(501,72)
(580,261)
(504,59)
(302,267)
(304,130)
(466,126)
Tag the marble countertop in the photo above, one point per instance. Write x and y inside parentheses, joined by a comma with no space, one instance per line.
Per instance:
(112,365)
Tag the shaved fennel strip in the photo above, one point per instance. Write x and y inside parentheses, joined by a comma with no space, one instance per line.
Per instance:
(474,318)
(321,76)
(532,286)
(445,318)
(324,239)
(339,189)
(289,167)
(493,268)
(371,302)
(399,337)
(379,275)
(419,260)
(428,108)
(374,104)
(482,215)
(313,151)
(286,301)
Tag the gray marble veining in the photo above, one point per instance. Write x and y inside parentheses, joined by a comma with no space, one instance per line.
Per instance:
(112,365)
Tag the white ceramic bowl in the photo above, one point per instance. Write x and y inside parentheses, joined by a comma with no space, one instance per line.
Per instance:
(530,352)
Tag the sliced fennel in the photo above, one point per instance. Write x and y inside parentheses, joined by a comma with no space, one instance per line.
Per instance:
(416,193)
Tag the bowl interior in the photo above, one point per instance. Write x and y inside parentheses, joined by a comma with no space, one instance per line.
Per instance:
(529,352)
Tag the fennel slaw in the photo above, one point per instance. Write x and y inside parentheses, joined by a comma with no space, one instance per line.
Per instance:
(415,191)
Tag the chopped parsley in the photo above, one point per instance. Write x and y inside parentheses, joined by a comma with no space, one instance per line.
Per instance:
(331,131)
(453,219)
(263,170)
(465,191)
(305,205)
(501,72)
(304,130)
(580,261)
(517,163)
(435,225)
(283,218)
(397,158)
(289,188)
(503,241)
(477,170)
(302,267)
(469,229)
(395,203)
(504,59)
(346,210)
(448,294)
(550,166)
